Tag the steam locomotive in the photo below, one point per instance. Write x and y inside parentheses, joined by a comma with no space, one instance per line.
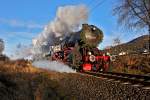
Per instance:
(81,53)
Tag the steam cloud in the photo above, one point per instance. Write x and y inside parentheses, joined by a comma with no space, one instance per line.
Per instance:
(53,66)
(1,46)
(22,52)
(68,19)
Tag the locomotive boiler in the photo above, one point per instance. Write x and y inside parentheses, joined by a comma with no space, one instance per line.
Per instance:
(80,50)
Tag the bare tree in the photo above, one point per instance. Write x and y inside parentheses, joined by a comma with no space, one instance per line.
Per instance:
(116,41)
(134,14)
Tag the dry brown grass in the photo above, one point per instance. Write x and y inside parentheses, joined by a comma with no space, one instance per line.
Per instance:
(19,80)
(18,66)
(133,64)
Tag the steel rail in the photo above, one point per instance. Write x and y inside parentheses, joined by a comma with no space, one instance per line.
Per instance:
(131,78)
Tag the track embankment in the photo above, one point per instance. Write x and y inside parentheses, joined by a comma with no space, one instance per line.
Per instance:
(21,81)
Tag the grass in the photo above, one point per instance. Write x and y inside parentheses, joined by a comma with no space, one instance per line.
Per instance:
(126,70)
(22,81)
(133,64)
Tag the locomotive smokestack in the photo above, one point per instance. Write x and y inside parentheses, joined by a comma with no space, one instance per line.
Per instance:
(85,26)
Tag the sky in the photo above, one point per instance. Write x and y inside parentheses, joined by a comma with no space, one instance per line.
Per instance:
(22,20)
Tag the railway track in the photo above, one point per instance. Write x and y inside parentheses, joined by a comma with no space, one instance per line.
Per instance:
(142,80)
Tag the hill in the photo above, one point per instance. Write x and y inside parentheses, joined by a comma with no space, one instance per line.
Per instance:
(136,45)
(131,59)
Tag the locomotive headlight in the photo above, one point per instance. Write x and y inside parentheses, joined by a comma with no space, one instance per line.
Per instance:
(92,58)
(94,28)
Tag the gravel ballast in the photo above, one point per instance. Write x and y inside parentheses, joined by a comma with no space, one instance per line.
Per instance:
(85,87)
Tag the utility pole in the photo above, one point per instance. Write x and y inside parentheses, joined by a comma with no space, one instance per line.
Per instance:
(149,38)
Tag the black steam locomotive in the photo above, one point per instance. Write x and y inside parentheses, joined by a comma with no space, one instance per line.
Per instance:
(82,53)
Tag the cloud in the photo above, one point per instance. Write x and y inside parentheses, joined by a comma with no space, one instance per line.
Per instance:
(22,24)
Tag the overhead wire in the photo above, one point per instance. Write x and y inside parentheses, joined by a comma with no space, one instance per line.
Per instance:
(97,5)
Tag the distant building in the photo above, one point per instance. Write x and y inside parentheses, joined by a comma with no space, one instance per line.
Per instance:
(145,51)
(122,53)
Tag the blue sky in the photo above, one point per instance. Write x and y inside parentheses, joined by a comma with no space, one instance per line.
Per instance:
(22,20)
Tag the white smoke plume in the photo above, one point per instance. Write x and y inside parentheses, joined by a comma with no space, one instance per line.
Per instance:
(53,66)
(22,52)
(68,19)
(1,46)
